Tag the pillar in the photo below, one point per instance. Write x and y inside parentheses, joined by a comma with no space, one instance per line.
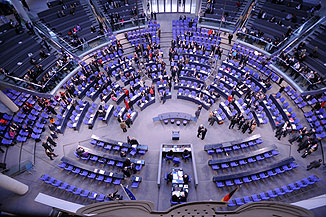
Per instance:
(8,102)
(12,185)
(20,10)
(198,6)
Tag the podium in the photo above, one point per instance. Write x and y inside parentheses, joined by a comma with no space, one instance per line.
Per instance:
(175,135)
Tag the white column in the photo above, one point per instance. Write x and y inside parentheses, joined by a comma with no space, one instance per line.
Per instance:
(8,102)
(20,10)
(12,185)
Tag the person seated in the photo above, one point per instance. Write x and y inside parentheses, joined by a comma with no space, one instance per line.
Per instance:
(169,177)
(169,154)
(123,154)
(81,152)
(127,162)
(126,172)
(175,198)
(115,196)
(134,141)
(185,153)
(183,197)
(185,179)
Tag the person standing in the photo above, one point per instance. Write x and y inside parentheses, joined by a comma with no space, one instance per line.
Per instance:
(241,122)
(24,3)
(233,121)
(230,38)
(245,126)
(203,133)
(252,126)
(197,113)
(123,126)
(199,131)
(314,164)
(46,44)
(50,154)
(128,122)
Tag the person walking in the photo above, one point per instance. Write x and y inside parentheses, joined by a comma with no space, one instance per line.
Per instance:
(203,133)
(123,126)
(199,131)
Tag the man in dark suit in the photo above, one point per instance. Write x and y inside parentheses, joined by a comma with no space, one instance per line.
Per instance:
(203,133)
(233,121)
(241,122)
(245,126)
(199,131)
(314,164)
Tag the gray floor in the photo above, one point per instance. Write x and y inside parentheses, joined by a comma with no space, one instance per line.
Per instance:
(154,134)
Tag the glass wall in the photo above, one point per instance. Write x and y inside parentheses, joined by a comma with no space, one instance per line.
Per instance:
(166,6)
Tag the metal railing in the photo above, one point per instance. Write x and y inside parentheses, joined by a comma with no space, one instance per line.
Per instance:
(274,48)
(216,23)
(12,81)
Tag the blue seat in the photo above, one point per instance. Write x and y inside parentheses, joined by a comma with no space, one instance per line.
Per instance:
(64,186)
(279,192)
(92,176)
(255,198)
(293,187)
(71,188)
(279,171)
(231,203)
(234,164)
(85,193)
(247,199)
(92,195)
(100,197)
(176,160)
(251,160)
(246,179)
(117,182)
(108,180)
(242,162)
(263,196)
(224,165)
(220,184)
(238,182)
(77,191)
(84,173)
(229,183)
(271,194)
(263,175)
(254,178)
(286,189)
(238,201)
(44,177)
(57,183)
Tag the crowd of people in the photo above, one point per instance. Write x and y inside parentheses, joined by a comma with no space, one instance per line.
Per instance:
(299,68)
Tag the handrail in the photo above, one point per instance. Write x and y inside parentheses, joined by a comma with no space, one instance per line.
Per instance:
(216,20)
(303,29)
(302,76)
(243,15)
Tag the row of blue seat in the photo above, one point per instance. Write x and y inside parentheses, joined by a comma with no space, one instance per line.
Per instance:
(284,190)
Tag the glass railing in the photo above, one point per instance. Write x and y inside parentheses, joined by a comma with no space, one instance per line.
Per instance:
(128,24)
(216,23)
(9,80)
(272,47)
(298,77)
